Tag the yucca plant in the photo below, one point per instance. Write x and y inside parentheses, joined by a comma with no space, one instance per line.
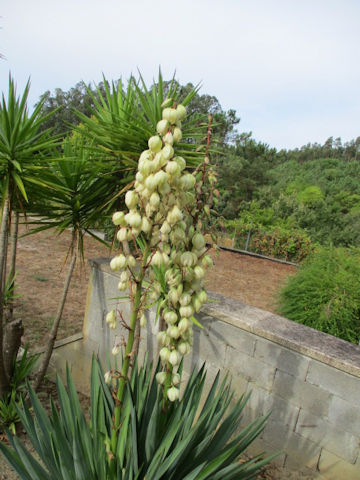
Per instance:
(22,369)
(22,153)
(195,438)
(77,194)
(123,119)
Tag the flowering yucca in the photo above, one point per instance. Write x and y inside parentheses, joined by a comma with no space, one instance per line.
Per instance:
(163,211)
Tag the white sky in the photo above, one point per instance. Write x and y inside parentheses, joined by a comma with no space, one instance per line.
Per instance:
(290,68)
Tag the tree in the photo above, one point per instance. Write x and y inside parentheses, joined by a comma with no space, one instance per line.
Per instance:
(23,149)
(242,169)
(78,193)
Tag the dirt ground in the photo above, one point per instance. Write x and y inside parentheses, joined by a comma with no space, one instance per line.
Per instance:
(41,271)
(42,268)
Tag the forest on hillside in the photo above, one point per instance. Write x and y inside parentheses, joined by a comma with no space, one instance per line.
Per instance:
(287,200)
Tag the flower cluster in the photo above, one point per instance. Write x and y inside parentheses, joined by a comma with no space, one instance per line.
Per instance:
(162,209)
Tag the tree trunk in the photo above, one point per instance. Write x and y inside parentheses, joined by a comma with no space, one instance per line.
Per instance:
(13,245)
(13,332)
(4,379)
(55,326)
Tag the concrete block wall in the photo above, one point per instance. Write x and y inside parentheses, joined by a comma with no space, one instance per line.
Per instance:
(309,381)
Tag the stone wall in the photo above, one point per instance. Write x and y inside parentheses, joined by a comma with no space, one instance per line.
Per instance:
(309,381)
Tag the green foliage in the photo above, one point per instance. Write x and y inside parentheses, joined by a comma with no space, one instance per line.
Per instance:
(182,442)
(269,236)
(21,144)
(9,416)
(242,169)
(325,293)
(23,367)
(78,193)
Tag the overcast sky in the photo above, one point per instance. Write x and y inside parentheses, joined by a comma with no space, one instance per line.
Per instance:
(289,68)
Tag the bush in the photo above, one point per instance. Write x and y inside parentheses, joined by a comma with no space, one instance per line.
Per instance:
(273,241)
(189,439)
(325,293)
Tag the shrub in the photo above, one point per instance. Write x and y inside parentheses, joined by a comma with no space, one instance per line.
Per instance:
(273,241)
(325,293)
(189,439)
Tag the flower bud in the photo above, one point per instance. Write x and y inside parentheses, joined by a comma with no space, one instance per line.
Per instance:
(177,134)
(122,234)
(131,199)
(199,272)
(161,377)
(197,304)
(173,394)
(162,127)
(207,261)
(163,338)
(202,296)
(116,350)
(181,111)
(187,311)
(131,261)
(118,218)
(166,258)
(164,354)
(198,241)
(174,332)
(167,102)
(172,168)
(176,379)
(157,259)
(122,286)
(155,143)
(186,259)
(159,161)
(150,182)
(173,296)
(111,317)
(168,138)
(174,215)
(183,348)
(161,177)
(108,377)
(164,188)
(183,325)
(154,200)
(174,358)
(133,219)
(166,114)
(173,116)
(124,277)
(146,225)
(118,262)
(167,152)
(185,299)
(170,317)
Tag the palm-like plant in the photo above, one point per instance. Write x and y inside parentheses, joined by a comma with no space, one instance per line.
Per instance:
(122,121)
(77,190)
(193,438)
(22,151)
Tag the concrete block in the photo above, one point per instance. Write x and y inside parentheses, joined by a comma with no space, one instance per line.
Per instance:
(207,348)
(333,467)
(339,383)
(251,368)
(261,447)
(235,337)
(345,415)
(303,394)
(282,411)
(302,451)
(282,358)
(318,430)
